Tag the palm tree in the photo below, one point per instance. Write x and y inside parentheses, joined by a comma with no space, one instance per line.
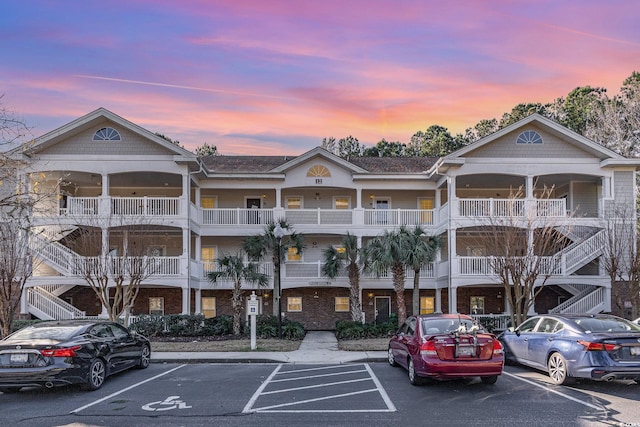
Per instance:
(260,245)
(348,256)
(422,251)
(232,267)
(389,252)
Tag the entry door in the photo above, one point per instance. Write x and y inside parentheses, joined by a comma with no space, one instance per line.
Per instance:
(253,204)
(382,217)
(383,309)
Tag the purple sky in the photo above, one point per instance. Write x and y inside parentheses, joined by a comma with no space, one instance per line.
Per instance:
(275,77)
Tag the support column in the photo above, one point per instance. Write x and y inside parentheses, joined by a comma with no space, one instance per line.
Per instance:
(185,300)
(453,300)
(198,308)
(438,307)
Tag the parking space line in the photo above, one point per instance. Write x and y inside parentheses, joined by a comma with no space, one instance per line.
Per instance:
(566,396)
(281,407)
(318,399)
(317,376)
(284,390)
(75,411)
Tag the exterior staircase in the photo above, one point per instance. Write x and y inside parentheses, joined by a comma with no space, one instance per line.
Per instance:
(589,300)
(46,306)
(579,254)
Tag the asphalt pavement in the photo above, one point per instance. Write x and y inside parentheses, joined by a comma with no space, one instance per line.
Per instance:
(316,347)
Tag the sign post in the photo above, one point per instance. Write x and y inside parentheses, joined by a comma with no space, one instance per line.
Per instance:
(253,312)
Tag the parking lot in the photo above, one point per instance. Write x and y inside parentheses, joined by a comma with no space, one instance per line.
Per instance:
(344,394)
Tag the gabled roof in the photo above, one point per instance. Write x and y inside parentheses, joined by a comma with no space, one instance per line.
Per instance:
(280,164)
(457,157)
(90,120)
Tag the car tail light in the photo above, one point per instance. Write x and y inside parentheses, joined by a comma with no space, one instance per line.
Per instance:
(598,346)
(428,348)
(60,352)
(497,347)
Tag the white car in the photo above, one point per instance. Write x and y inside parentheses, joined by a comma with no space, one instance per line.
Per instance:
(637,321)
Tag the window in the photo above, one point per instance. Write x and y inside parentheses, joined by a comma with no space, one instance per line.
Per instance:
(156,251)
(529,325)
(208,253)
(156,306)
(318,171)
(208,202)
(294,303)
(477,305)
(106,134)
(427,305)
(294,202)
(529,137)
(209,307)
(425,204)
(293,255)
(341,203)
(342,304)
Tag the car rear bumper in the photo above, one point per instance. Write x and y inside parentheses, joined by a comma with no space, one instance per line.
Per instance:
(49,376)
(610,373)
(460,369)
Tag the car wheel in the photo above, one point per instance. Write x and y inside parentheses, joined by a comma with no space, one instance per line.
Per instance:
(558,369)
(489,380)
(10,390)
(390,358)
(145,357)
(97,374)
(414,378)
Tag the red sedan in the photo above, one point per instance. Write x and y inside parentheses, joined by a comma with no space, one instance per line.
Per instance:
(446,346)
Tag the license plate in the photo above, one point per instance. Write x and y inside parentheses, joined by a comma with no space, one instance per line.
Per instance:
(466,351)
(635,351)
(19,358)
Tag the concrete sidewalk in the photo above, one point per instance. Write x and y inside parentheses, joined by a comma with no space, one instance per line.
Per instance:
(317,347)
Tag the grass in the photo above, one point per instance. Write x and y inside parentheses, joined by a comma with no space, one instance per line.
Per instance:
(244,344)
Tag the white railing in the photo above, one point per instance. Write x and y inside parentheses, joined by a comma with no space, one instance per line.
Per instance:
(145,206)
(51,305)
(484,266)
(145,266)
(493,322)
(236,216)
(584,251)
(80,206)
(582,303)
(485,208)
(57,254)
(385,217)
(319,216)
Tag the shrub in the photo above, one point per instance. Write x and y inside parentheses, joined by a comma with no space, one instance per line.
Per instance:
(218,326)
(350,330)
(267,327)
(149,326)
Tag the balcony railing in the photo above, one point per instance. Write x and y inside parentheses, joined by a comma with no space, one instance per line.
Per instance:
(484,266)
(125,206)
(399,217)
(313,270)
(485,208)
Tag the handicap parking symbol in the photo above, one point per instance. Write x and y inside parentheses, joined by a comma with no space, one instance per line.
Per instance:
(171,402)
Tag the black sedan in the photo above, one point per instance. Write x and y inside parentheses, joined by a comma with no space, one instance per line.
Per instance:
(599,347)
(57,353)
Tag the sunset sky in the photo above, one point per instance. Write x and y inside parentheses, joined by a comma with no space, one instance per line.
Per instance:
(275,77)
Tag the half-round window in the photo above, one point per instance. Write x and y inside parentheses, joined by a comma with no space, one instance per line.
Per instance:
(106,134)
(318,171)
(529,137)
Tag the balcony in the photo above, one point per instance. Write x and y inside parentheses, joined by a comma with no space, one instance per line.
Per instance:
(121,206)
(487,208)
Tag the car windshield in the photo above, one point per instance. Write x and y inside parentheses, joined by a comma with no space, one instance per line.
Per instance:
(445,326)
(59,333)
(594,324)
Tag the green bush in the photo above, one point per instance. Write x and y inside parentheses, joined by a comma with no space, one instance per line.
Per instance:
(350,330)
(148,325)
(267,327)
(218,326)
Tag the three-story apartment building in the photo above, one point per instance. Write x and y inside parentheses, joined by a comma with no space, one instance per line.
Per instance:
(192,210)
